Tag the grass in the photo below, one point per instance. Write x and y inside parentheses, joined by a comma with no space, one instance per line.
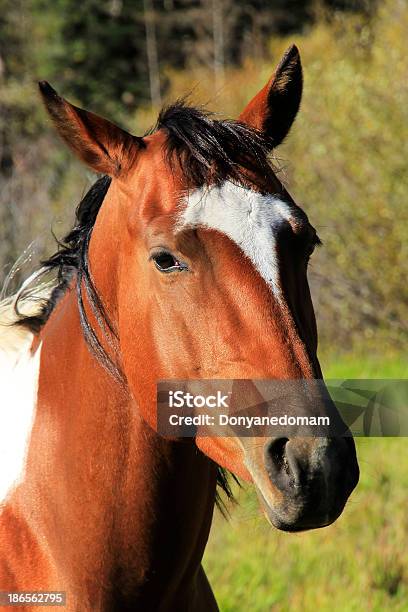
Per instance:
(359,563)
(356,365)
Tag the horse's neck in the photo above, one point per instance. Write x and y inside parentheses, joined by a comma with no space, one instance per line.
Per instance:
(115,502)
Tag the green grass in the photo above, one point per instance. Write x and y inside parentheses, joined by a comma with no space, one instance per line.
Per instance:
(364,366)
(359,563)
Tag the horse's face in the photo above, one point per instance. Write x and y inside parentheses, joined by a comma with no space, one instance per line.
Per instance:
(211,282)
(221,290)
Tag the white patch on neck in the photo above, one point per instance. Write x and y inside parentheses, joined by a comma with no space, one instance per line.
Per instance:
(19,370)
(248,218)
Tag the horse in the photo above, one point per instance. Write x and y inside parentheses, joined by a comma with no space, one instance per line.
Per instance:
(188,260)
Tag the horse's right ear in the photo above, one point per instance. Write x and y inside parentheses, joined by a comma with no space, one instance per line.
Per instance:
(102,145)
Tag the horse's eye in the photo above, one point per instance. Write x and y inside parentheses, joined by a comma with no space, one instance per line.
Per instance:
(166,262)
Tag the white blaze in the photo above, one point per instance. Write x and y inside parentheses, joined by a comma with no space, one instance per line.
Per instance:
(248,218)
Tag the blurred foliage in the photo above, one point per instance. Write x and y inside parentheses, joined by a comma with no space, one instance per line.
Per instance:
(348,161)
(346,152)
(96,51)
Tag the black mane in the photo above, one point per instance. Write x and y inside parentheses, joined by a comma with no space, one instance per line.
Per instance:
(210,151)
(72,267)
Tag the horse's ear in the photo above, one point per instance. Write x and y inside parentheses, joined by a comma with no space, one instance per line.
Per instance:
(102,145)
(274,108)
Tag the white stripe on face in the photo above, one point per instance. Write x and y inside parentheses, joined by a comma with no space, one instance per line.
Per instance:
(248,218)
(18,389)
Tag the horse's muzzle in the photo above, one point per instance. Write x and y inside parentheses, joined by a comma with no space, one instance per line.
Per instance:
(311,479)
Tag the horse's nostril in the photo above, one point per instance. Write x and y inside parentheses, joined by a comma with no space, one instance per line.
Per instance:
(277,464)
(276,451)
(313,478)
(287,463)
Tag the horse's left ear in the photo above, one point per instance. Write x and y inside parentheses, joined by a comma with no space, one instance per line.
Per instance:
(274,108)
(102,145)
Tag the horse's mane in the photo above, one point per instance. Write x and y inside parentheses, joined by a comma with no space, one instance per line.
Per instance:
(210,151)
(70,262)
